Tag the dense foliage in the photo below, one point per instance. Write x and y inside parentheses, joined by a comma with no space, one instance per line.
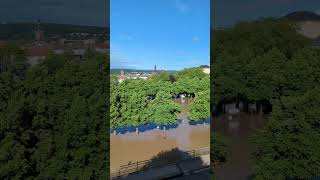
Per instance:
(268,61)
(139,102)
(289,146)
(251,59)
(53,118)
(200,106)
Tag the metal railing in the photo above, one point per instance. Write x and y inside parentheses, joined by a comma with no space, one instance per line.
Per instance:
(139,166)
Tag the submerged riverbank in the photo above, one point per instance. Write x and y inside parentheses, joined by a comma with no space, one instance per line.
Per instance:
(132,147)
(239,130)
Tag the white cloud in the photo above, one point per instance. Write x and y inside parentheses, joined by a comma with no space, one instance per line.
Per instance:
(182,6)
(128,37)
(195,38)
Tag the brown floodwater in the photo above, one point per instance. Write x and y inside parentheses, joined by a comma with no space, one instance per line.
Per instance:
(131,147)
(238,129)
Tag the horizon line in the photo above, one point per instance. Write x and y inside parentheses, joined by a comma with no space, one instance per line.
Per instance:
(48,22)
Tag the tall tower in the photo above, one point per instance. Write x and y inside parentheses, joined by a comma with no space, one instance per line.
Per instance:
(39,35)
(155,69)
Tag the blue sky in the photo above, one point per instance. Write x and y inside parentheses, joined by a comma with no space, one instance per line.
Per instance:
(228,12)
(172,34)
(81,12)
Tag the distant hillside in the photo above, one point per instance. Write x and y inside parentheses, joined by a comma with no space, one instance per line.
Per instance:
(302,16)
(204,66)
(18,31)
(307,23)
(118,71)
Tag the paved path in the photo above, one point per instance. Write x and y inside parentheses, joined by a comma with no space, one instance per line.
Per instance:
(183,169)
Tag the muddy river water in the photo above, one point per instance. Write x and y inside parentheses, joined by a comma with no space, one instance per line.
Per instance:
(238,129)
(131,147)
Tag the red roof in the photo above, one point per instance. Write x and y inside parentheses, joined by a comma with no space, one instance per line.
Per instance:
(122,77)
(38,51)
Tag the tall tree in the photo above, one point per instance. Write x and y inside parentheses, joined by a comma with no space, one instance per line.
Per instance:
(289,146)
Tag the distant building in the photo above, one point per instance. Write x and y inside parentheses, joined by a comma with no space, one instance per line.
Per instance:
(155,69)
(76,44)
(37,54)
(102,48)
(39,35)
(133,75)
(122,77)
(310,29)
(138,75)
(58,51)
(205,69)
(306,22)
(79,52)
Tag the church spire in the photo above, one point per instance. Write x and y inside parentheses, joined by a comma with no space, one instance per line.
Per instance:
(155,68)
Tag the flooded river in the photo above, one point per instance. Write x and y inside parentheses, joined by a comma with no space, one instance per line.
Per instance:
(238,129)
(132,147)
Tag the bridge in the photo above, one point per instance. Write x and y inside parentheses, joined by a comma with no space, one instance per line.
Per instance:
(194,163)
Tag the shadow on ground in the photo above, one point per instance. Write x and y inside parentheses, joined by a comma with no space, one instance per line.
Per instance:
(173,164)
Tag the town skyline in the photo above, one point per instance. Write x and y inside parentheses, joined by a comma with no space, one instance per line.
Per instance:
(158,68)
(50,22)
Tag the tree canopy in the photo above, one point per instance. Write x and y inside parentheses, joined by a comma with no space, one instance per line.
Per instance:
(54,118)
(268,60)
(140,102)
(289,146)
(250,60)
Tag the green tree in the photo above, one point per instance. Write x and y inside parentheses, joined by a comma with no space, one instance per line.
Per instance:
(250,59)
(200,106)
(289,146)
(54,124)
(163,110)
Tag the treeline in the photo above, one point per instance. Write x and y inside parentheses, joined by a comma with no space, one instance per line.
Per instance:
(53,117)
(118,71)
(257,60)
(267,61)
(140,102)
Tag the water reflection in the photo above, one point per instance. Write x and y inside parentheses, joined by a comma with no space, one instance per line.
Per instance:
(239,129)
